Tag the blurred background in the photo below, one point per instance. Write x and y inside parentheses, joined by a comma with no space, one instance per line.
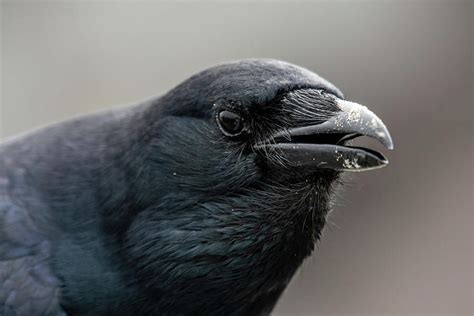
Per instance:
(400,240)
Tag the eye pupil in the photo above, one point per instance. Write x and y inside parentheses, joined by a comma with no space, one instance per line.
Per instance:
(230,122)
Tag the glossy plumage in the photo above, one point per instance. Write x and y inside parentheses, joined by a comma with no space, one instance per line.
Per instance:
(153,210)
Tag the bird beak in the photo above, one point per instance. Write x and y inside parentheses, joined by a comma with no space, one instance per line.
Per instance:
(322,145)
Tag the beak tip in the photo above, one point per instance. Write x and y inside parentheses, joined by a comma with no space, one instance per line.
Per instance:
(389,142)
(385,138)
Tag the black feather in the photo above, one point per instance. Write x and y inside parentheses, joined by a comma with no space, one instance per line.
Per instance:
(152,210)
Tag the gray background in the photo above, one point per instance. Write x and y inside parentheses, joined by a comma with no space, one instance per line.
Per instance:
(400,240)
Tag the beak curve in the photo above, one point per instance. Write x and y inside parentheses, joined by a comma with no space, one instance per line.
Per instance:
(322,145)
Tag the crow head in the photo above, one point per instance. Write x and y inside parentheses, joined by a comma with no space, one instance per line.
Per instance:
(241,161)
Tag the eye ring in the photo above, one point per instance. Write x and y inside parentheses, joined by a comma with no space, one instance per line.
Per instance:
(230,123)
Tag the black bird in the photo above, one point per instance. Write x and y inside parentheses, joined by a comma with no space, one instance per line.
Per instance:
(202,201)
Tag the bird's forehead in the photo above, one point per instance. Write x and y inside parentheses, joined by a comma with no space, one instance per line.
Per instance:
(260,80)
(248,82)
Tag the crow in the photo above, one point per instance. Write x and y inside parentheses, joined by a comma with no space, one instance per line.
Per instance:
(203,201)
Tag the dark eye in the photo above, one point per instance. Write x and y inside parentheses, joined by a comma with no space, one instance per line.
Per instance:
(230,123)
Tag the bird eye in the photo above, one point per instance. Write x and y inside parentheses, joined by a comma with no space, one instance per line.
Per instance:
(230,123)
